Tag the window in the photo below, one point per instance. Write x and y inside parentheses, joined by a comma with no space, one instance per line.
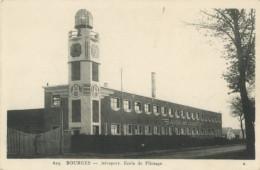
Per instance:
(182,114)
(115,104)
(164,111)
(148,130)
(127,105)
(55,100)
(177,114)
(95,107)
(197,132)
(138,129)
(147,108)
(138,107)
(188,115)
(188,131)
(164,130)
(156,110)
(95,71)
(76,111)
(183,131)
(75,70)
(193,116)
(170,112)
(128,129)
(193,131)
(171,130)
(202,117)
(156,130)
(197,116)
(115,129)
(177,131)
(202,131)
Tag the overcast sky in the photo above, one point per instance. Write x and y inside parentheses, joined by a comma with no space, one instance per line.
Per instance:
(139,37)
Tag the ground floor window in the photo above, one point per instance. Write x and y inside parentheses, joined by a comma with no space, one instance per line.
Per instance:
(188,131)
(164,130)
(138,129)
(156,130)
(148,130)
(76,132)
(128,129)
(177,131)
(183,131)
(171,130)
(115,129)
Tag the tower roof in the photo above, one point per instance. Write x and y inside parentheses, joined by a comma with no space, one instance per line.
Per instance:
(83,19)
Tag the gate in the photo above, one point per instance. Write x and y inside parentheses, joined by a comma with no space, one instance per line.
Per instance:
(45,143)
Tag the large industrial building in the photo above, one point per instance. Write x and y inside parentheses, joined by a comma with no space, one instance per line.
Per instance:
(83,106)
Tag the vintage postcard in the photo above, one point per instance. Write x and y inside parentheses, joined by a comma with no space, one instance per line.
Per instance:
(129,84)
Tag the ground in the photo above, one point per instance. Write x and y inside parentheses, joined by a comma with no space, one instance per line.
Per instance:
(211,152)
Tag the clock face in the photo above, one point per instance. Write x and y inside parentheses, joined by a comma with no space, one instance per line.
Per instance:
(75,50)
(94,51)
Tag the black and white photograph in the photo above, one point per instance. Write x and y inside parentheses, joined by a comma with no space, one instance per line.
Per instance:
(128,84)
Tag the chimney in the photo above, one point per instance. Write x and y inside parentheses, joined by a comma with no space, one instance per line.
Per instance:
(153,85)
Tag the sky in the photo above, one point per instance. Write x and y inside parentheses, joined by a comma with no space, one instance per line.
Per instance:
(139,37)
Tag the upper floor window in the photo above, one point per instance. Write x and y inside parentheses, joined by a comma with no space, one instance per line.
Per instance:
(115,103)
(156,110)
(193,116)
(138,107)
(183,114)
(147,108)
(202,117)
(197,116)
(127,105)
(56,100)
(164,110)
(95,71)
(75,71)
(188,115)
(170,112)
(177,114)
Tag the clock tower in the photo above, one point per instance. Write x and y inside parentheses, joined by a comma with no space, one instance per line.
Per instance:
(84,88)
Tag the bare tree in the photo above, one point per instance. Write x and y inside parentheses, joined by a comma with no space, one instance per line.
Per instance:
(236,29)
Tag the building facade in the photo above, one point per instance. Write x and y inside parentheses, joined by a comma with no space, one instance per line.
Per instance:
(84,106)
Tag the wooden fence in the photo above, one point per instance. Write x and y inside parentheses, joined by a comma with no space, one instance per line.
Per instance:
(45,143)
